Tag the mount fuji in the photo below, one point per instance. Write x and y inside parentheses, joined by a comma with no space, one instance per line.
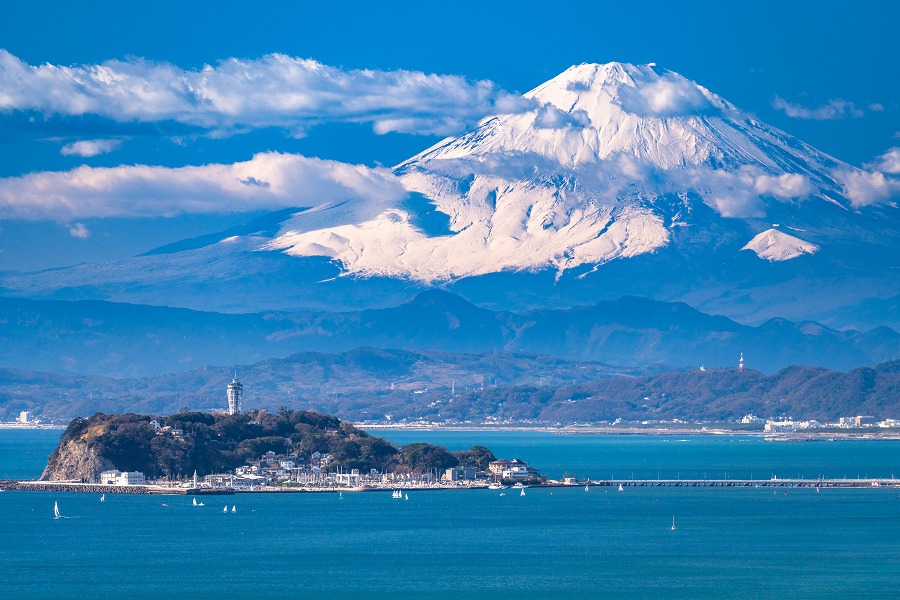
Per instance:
(607,180)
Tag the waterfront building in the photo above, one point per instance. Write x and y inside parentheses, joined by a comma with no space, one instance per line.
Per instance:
(235,396)
(752,420)
(864,421)
(510,469)
(122,478)
(24,417)
(459,473)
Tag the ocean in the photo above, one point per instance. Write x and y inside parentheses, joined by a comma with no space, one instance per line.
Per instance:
(551,543)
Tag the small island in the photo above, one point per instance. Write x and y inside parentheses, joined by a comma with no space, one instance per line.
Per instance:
(289,450)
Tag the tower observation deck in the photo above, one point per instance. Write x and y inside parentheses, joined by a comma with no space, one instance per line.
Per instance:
(235,396)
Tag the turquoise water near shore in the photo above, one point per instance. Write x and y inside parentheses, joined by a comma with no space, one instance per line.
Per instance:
(551,543)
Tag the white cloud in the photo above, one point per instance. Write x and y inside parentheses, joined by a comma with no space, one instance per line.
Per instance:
(786,186)
(550,117)
(79,231)
(864,188)
(667,96)
(876,107)
(738,194)
(831,110)
(889,162)
(273,91)
(90,147)
(267,181)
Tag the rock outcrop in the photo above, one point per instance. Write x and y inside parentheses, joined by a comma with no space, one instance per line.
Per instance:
(76,460)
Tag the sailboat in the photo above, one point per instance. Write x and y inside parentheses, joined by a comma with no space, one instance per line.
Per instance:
(621,489)
(341,495)
(406,496)
(56,514)
(233,508)
(225,510)
(195,502)
(586,488)
(673,522)
(522,493)
(102,497)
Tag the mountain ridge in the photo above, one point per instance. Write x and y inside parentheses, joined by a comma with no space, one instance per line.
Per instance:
(99,338)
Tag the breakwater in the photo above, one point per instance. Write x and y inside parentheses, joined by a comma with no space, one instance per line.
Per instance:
(96,488)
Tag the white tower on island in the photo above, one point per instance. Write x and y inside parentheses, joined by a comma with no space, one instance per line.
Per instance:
(235,396)
(741,364)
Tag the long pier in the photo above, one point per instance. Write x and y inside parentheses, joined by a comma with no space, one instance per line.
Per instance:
(750,483)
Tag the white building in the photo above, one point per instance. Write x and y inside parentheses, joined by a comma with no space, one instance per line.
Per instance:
(121,478)
(752,420)
(24,417)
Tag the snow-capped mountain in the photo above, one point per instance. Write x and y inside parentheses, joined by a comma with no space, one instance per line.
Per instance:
(608,163)
(607,180)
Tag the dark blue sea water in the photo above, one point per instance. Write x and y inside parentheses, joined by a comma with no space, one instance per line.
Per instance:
(552,543)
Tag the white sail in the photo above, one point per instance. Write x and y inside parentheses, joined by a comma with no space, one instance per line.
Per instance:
(195,502)
(56,510)
(233,508)
(406,496)
(586,488)
(522,492)
(102,497)
(225,510)
(673,522)
(621,489)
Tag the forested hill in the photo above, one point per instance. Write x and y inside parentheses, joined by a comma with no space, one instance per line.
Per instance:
(182,443)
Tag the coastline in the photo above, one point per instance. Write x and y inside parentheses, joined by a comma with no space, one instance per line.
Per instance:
(826,435)
(617,484)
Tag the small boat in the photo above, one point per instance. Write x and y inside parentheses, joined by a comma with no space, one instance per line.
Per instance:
(225,510)
(586,488)
(502,493)
(817,489)
(496,486)
(341,495)
(673,522)
(406,496)
(621,489)
(102,497)
(195,502)
(233,508)
(397,494)
(522,493)
(56,514)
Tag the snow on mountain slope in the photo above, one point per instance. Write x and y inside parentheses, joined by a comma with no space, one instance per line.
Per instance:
(774,245)
(605,165)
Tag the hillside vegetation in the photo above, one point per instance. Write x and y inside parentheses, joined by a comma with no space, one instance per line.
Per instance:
(211,443)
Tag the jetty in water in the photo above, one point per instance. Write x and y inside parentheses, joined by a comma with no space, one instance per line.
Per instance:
(750,483)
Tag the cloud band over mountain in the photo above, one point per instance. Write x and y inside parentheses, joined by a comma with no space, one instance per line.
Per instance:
(267,181)
(273,91)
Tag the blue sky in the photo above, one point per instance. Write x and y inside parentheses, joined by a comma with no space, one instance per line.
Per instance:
(822,71)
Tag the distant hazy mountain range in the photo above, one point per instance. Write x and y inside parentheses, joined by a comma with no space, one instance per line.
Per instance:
(122,340)
(618,180)
(372,384)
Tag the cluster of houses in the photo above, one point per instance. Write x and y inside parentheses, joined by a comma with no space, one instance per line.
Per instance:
(788,424)
(275,469)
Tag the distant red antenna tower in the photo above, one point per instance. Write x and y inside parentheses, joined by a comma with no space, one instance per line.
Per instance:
(741,364)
